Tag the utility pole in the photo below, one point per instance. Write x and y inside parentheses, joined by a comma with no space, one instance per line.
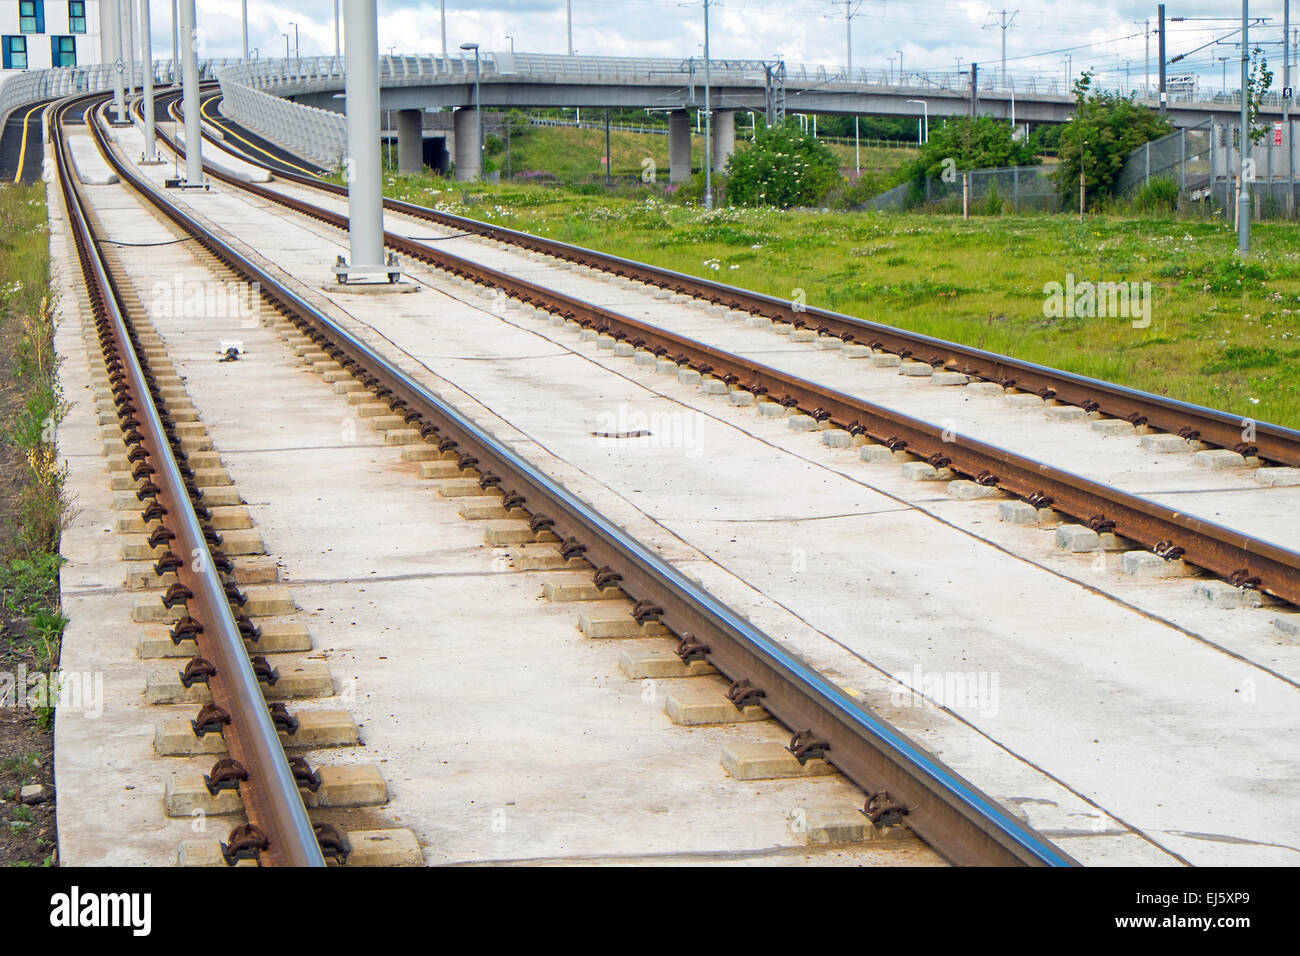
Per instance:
(851,8)
(1243,196)
(1006,25)
(1146,82)
(338,47)
(708,116)
(244,21)
(851,11)
(443,10)
(1160,29)
(974,88)
(568,16)
(1286,107)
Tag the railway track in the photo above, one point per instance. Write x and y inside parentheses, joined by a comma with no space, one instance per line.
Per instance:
(278,831)
(1270,443)
(903,783)
(1173,534)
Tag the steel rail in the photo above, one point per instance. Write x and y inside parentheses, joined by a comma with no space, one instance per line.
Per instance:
(1236,557)
(961,822)
(270,794)
(1270,442)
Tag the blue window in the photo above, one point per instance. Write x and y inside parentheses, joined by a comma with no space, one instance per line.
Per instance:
(31,16)
(63,51)
(76,16)
(15,53)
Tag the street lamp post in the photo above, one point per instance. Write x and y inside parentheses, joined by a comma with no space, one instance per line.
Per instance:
(478,113)
(297,51)
(286,49)
(925,112)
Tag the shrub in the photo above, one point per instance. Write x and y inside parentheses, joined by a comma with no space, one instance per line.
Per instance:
(1157,195)
(783,167)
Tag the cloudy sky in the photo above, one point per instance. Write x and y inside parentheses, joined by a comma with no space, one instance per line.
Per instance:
(1045,37)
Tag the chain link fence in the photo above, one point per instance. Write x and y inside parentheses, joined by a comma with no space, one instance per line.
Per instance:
(1204,164)
(1013,189)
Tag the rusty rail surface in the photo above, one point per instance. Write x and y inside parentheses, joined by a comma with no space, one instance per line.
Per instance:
(903,781)
(278,832)
(1270,442)
(1238,558)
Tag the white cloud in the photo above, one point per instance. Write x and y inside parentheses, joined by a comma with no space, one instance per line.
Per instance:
(932,34)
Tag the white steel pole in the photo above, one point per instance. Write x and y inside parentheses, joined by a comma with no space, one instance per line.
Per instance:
(708,118)
(131,20)
(365,201)
(146,55)
(338,48)
(176,41)
(124,45)
(568,13)
(443,6)
(112,25)
(244,20)
(190,95)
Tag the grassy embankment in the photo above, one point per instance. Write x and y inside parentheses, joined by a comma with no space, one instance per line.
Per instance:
(32,515)
(572,155)
(1222,333)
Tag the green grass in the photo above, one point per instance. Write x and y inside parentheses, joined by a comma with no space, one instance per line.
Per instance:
(1224,333)
(35,510)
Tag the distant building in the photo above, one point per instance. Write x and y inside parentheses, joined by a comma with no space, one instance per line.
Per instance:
(39,34)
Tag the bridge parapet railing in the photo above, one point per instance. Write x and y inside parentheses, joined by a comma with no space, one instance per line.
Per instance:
(33,86)
(320,135)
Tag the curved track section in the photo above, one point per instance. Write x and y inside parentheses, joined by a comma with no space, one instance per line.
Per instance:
(1240,559)
(902,780)
(279,831)
(1273,443)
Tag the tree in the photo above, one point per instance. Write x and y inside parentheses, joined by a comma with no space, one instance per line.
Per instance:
(1261,78)
(982,143)
(783,167)
(1105,130)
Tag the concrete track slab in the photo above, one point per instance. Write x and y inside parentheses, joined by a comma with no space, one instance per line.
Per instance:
(1069,666)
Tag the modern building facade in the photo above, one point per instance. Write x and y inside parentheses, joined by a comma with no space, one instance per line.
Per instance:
(38,34)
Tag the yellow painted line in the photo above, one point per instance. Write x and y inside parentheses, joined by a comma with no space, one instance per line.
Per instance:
(22,152)
(203,111)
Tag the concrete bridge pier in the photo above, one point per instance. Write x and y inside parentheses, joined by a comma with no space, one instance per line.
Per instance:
(468,155)
(410,141)
(679,146)
(724,138)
